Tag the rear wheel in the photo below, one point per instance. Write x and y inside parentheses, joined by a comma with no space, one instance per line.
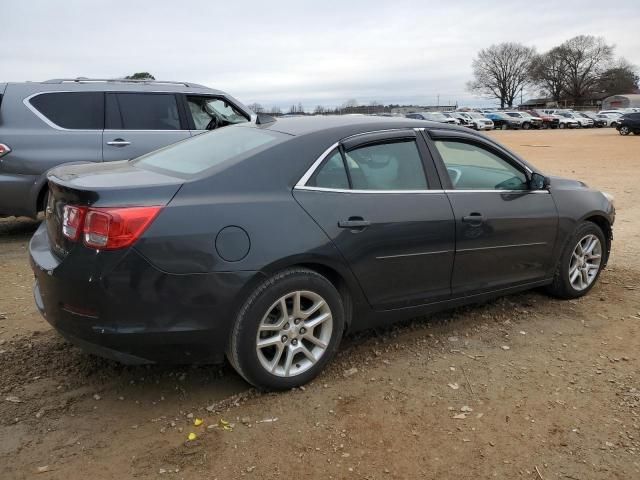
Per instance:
(287,331)
(562,125)
(580,263)
(504,126)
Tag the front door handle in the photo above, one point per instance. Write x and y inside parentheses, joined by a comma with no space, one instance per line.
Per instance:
(474,219)
(118,142)
(354,223)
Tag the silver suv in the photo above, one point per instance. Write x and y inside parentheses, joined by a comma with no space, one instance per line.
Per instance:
(46,124)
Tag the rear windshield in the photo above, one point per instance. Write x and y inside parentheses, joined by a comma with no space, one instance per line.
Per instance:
(200,153)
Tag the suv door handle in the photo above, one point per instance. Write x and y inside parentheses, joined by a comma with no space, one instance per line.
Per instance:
(119,142)
(474,218)
(354,223)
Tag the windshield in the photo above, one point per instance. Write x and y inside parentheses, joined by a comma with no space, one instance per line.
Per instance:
(513,114)
(435,115)
(475,115)
(566,115)
(197,154)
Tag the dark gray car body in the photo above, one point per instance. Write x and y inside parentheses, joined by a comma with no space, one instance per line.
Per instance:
(38,144)
(175,288)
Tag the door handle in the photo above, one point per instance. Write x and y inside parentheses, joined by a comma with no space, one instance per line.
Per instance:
(118,142)
(354,223)
(474,218)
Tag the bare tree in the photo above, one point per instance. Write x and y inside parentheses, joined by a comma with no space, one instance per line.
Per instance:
(585,58)
(548,71)
(256,107)
(502,71)
(300,108)
(319,110)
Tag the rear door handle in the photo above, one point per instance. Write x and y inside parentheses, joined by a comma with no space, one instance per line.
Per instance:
(118,142)
(474,218)
(354,223)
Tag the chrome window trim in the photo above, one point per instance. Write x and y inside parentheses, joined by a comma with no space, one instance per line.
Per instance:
(309,173)
(346,190)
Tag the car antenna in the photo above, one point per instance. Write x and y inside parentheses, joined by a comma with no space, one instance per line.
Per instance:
(262,119)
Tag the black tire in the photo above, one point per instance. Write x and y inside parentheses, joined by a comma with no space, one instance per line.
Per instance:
(562,125)
(526,126)
(241,351)
(561,286)
(504,126)
(624,130)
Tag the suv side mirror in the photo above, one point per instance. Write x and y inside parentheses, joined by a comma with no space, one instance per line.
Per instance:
(538,182)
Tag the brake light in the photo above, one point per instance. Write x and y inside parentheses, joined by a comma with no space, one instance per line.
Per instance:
(72,218)
(113,228)
(4,149)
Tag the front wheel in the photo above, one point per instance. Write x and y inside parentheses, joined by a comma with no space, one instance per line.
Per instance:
(287,331)
(580,263)
(562,125)
(624,130)
(504,126)
(526,126)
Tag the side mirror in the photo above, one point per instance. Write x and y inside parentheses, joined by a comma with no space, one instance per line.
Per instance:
(539,182)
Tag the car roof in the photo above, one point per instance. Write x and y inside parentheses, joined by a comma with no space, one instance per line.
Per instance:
(120,85)
(317,123)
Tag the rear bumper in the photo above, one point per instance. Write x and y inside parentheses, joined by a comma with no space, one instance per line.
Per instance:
(129,311)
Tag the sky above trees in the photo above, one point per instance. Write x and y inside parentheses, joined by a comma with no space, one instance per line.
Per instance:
(284,52)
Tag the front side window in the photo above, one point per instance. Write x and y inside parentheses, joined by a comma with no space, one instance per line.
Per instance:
(331,174)
(209,150)
(209,113)
(473,167)
(145,111)
(386,166)
(73,110)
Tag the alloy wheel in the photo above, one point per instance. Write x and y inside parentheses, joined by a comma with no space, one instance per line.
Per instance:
(624,130)
(585,262)
(294,333)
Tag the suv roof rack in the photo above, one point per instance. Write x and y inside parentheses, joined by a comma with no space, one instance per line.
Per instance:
(121,80)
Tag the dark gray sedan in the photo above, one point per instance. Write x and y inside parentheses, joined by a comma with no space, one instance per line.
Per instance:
(268,241)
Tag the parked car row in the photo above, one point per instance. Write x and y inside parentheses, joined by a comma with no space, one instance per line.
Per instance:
(523,119)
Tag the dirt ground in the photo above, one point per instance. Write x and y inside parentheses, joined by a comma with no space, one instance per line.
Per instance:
(523,387)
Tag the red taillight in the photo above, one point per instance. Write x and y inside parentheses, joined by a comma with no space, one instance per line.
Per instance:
(112,228)
(4,149)
(72,218)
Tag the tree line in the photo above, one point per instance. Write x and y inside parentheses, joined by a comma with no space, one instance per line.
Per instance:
(576,70)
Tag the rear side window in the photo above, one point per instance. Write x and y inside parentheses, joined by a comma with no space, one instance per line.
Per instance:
(332,174)
(142,111)
(387,166)
(209,150)
(74,110)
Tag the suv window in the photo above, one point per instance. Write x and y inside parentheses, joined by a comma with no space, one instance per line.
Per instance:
(332,174)
(142,111)
(211,112)
(387,166)
(473,167)
(74,110)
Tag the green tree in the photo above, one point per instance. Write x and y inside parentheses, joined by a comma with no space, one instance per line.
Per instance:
(140,76)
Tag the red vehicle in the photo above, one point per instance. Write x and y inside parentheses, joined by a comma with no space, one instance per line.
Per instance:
(548,121)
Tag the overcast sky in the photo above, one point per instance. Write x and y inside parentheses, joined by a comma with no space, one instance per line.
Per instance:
(283,52)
